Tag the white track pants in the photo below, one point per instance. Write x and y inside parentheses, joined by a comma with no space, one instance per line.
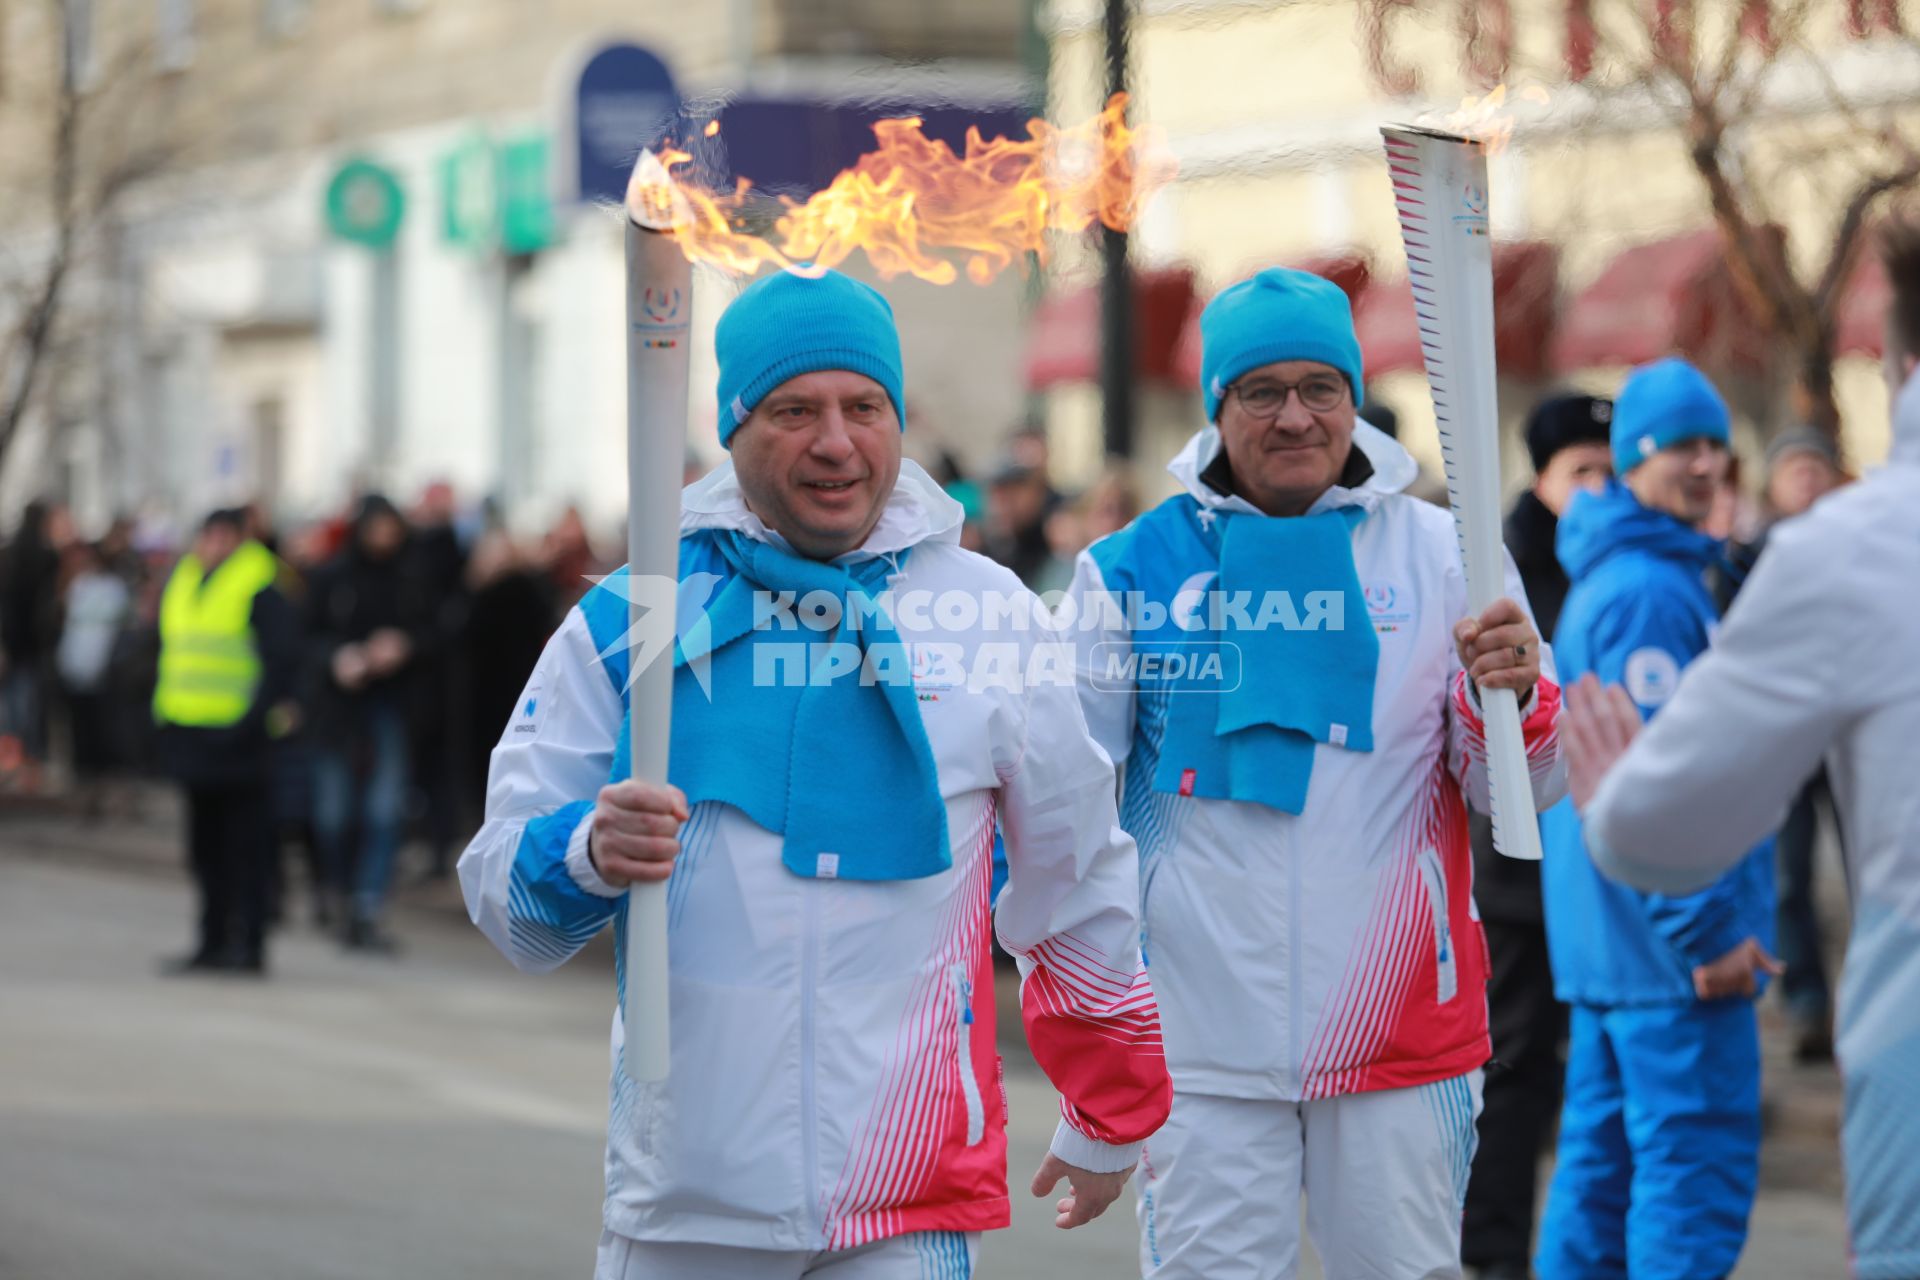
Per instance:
(1384,1175)
(919,1255)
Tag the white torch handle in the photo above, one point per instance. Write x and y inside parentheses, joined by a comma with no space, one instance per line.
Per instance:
(659,302)
(1440,188)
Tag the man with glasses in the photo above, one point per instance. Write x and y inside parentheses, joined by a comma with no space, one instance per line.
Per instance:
(1660,1128)
(1281,660)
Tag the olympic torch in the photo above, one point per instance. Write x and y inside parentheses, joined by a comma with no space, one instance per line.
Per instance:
(1440,187)
(659,306)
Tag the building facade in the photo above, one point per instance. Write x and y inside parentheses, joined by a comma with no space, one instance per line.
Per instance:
(356,256)
(1272,112)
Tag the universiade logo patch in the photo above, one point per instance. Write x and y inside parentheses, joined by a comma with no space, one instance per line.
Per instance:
(972,640)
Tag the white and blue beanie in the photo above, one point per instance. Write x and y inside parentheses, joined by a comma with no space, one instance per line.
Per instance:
(1280,314)
(1662,404)
(788,324)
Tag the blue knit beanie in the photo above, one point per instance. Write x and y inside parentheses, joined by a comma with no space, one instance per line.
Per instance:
(787,325)
(1280,314)
(1662,404)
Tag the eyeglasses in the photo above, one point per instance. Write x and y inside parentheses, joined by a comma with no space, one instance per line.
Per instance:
(1264,400)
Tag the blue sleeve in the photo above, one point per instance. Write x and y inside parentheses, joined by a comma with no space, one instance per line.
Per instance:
(549,916)
(1642,639)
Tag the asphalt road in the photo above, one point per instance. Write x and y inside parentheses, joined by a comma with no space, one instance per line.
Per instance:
(438,1115)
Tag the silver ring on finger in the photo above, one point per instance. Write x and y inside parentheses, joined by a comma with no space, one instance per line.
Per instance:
(1519,653)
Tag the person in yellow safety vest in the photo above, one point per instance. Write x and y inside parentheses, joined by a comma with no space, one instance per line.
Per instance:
(229,649)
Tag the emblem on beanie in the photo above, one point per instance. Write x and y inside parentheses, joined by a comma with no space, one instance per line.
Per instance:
(1603,411)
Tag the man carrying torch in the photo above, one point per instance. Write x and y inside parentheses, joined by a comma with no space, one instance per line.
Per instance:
(1301,809)
(825,831)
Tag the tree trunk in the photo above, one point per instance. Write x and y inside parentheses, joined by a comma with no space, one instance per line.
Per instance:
(1813,401)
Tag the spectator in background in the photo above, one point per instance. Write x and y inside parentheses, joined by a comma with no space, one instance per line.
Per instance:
(365,617)
(1566,439)
(229,651)
(509,617)
(952,477)
(308,549)
(569,557)
(97,607)
(1019,500)
(437,715)
(1660,1131)
(29,631)
(1803,466)
(1109,505)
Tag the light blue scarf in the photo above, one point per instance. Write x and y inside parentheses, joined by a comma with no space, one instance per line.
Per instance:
(1306,677)
(839,766)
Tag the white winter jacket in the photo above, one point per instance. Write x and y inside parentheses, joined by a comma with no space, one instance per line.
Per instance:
(1338,950)
(834,1077)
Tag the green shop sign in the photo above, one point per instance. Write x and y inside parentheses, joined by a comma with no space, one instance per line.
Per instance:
(494,195)
(365,204)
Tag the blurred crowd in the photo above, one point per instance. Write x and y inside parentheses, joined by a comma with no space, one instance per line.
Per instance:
(408,636)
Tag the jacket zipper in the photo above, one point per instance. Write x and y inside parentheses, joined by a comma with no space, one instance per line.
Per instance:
(969,1083)
(1436,878)
(809,1124)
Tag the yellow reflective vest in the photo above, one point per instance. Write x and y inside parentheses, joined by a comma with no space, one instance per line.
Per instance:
(209,662)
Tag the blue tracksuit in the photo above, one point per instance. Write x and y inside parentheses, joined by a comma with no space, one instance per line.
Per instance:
(1660,1131)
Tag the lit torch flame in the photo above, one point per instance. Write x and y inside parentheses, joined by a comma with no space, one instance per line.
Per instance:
(1488,120)
(912,200)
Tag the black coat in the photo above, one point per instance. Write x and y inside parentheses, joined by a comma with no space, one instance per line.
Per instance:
(508,625)
(348,599)
(1506,888)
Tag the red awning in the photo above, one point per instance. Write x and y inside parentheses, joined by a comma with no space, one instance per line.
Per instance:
(1351,271)
(1063,339)
(1860,325)
(1656,299)
(1525,283)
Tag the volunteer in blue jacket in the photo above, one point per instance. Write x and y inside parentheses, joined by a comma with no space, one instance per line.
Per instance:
(1660,1131)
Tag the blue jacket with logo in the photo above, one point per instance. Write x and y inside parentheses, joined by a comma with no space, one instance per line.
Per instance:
(1638,612)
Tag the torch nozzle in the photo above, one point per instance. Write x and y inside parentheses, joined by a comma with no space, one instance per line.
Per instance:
(654,200)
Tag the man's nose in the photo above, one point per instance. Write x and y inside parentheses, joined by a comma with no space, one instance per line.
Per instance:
(831,438)
(1294,415)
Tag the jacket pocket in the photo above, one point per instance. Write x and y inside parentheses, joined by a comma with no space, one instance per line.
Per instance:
(963,1040)
(1448,984)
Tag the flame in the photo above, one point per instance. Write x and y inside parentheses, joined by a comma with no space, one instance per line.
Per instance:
(1487,120)
(912,204)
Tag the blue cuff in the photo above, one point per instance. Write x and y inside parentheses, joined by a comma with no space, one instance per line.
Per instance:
(548,913)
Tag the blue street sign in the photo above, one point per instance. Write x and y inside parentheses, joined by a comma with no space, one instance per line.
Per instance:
(625,100)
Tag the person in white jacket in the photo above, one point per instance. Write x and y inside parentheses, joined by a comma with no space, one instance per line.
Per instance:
(1302,812)
(1815,662)
(846,736)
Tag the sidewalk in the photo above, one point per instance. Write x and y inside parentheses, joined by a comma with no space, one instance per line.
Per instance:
(152,843)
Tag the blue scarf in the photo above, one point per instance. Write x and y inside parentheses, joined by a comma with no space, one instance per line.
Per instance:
(1304,677)
(840,768)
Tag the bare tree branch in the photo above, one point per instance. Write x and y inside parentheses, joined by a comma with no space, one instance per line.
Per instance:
(1846,237)
(26,353)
